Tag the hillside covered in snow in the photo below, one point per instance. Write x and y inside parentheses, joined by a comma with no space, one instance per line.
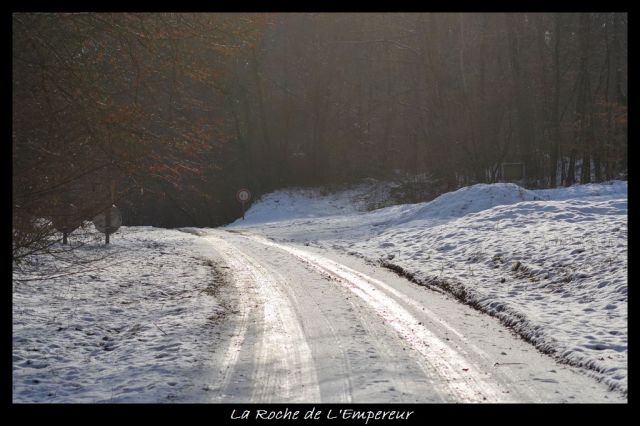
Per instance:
(551,264)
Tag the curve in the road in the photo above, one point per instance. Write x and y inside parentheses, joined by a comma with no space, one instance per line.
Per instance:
(315,326)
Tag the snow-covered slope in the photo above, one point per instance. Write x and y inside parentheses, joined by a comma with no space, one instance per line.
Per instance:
(300,203)
(472,199)
(550,263)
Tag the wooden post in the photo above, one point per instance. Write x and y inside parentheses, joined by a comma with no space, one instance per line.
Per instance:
(107,219)
(107,215)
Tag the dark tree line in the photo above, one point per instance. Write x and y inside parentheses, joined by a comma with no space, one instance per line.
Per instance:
(337,97)
(167,115)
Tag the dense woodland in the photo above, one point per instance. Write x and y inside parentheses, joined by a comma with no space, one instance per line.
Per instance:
(167,115)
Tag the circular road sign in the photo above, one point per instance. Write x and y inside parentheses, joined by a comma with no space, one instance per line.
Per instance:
(115,220)
(243,195)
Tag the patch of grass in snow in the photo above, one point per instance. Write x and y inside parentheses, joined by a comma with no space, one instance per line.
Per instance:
(220,280)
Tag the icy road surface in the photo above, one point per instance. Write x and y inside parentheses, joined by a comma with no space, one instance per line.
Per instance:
(310,325)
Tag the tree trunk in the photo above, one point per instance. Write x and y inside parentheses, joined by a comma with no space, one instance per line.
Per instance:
(584,100)
(522,100)
(267,149)
(555,147)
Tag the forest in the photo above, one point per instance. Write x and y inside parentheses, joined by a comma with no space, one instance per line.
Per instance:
(167,115)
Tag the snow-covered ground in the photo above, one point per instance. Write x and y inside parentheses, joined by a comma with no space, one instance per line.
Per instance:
(143,322)
(133,326)
(550,263)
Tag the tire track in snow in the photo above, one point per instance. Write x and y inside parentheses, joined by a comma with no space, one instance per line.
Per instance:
(283,366)
(463,380)
(243,309)
(345,390)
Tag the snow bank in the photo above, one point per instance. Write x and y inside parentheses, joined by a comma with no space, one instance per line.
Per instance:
(612,188)
(292,204)
(550,263)
(473,199)
(132,327)
(298,203)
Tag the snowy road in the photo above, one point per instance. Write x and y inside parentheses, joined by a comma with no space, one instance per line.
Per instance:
(309,325)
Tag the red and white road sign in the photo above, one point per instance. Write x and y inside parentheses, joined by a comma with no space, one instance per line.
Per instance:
(243,195)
